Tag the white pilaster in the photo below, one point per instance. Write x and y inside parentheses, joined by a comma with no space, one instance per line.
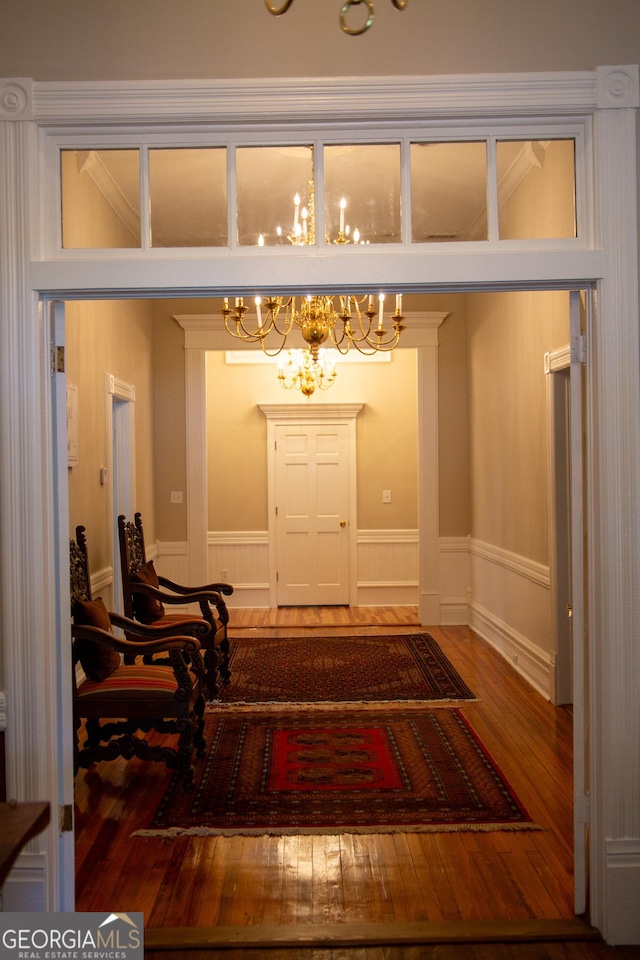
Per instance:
(614,433)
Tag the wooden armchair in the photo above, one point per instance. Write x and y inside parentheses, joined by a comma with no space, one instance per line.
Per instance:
(118,700)
(145,601)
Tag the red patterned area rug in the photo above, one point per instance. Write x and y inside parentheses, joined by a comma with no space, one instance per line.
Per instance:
(341,669)
(340,771)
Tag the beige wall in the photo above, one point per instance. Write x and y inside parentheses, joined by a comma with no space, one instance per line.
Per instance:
(509,334)
(74,40)
(386,438)
(108,337)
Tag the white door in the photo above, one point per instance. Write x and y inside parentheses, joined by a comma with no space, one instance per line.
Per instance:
(312,514)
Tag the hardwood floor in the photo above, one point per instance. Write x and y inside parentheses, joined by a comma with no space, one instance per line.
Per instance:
(309,883)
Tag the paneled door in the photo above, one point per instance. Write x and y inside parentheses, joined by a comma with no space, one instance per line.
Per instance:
(312,513)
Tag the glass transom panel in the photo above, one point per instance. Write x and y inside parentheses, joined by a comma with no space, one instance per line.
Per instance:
(362,191)
(100,199)
(188,197)
(274,195)
(536,189)
(448,192)
(488,189)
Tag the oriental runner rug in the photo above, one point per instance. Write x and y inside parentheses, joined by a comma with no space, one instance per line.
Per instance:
(407,769)
(341,669)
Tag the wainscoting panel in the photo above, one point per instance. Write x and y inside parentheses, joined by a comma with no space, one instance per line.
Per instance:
(171,560)
(387,571)
(387,567)
(511,609)
(102,585)
(242,559)
(454,580)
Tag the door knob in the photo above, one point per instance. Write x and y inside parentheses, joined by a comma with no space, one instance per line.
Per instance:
(569,610)
(343,523)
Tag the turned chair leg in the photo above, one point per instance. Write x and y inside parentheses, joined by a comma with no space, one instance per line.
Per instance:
(225,672)
(211,674)
(185,751)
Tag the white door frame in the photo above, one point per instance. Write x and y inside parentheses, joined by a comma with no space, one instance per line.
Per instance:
(121,467)
(556,364)
(300,415)
(603,103)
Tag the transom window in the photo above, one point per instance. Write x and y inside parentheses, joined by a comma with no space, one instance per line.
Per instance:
(408,191)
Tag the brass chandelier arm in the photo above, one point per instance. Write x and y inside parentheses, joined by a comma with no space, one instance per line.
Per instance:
(373,339)
(283,9)
(318,321)
(352,32)
(343,17)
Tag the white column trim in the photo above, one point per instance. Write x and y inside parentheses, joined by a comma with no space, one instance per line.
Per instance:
(613,436)
(29,616)
(428,498)
(196,450)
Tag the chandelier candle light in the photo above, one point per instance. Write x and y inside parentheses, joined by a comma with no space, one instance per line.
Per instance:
(303,232)
(301,372)
(342,324)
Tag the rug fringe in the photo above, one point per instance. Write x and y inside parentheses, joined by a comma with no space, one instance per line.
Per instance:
(213,706)
(170,833)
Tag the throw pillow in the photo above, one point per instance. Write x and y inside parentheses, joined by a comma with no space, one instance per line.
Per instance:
(97,660)
(147,609)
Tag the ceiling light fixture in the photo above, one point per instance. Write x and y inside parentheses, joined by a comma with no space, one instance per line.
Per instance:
(300,371)
(346,7)
(342,324)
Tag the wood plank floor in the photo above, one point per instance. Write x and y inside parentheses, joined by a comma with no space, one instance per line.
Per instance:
(401,879)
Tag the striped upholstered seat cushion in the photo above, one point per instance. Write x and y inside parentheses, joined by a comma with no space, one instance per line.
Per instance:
(145,681)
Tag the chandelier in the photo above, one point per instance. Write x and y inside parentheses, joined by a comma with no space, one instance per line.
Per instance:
(300,371)
(352,31)
(340,321)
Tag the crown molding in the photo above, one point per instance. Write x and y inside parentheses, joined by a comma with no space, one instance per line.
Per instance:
(303,100)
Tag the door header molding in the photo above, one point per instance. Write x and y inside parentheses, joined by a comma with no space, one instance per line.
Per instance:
(300,412)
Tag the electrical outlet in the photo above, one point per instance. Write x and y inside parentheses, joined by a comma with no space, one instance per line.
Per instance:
(225,575)
(176,496)
(386,496)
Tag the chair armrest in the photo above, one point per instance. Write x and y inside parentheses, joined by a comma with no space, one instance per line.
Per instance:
(150,631)
(224,588)
(190,596)
(205,598)
(190,645)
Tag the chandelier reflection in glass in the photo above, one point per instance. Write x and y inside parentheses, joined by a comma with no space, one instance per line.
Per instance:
(351,30)
(300,371)
(303,229)
(340,321)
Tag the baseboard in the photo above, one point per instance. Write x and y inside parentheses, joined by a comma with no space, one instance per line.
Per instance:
(529,660)
(387,595)
(24,890)
(622,885)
